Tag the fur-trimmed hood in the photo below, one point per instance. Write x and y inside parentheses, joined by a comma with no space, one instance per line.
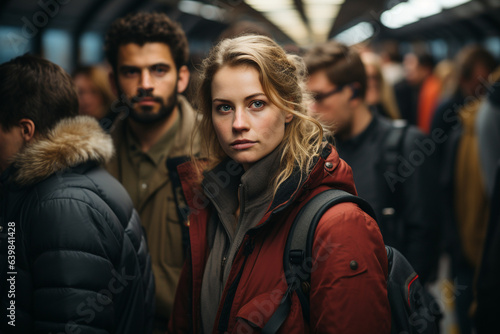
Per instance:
(71,142)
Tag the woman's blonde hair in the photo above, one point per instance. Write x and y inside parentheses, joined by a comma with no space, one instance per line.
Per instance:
(387,96)
(282,78)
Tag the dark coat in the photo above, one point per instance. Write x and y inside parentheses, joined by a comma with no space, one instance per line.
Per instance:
(73,256)
(400,183)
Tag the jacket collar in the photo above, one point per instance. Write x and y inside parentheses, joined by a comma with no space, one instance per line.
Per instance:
(329,171)
(222,186)
(71,142)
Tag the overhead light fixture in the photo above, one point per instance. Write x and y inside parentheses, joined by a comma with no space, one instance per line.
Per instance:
(321,14)
(413,10)
(197,8)
(452,3)
(290,22)
(283,13)
(269,6)
(356,34)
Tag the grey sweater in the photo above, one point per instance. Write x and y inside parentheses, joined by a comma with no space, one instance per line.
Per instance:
(226,189)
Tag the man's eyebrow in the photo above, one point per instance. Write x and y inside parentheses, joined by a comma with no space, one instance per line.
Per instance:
(125,66)
(160,64)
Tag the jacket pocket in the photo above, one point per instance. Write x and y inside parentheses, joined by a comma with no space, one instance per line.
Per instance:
(254,315)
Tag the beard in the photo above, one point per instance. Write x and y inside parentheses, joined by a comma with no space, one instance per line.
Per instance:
(146,115)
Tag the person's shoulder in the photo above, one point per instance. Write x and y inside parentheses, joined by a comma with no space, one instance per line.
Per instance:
(384,126)
(413,132)
(453,101)
(186,110)
(344,219)
(90,185)
(185,142)
(71,206)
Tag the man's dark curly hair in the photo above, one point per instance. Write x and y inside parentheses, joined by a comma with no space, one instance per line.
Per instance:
(141,28)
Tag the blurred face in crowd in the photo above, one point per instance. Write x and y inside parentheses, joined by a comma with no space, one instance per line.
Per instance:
(415,72)
(147,75)
(332,104)
(474,86)
(373,84)
(248,126)
(90,100)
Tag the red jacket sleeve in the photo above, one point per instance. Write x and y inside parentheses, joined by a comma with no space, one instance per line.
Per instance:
(349,275)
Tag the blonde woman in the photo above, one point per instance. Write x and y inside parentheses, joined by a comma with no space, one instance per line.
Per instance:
(265,159)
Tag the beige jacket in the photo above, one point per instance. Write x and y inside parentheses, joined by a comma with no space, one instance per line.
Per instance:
(157,209)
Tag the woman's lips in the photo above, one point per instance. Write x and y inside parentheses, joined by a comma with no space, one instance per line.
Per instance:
(242,144)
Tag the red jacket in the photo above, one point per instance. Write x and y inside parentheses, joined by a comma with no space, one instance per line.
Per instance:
(343,299)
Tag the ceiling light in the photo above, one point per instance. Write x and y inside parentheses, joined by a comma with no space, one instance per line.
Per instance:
(413,10)
(356,34)
(452,3)
(197,8)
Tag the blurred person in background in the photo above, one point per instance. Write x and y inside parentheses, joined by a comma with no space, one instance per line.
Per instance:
(379,152)
(94,91)
(418,94)
(473,65)
(445,72)
(488,130)
(464,196)
(487,295)
(379,95)
(392,67)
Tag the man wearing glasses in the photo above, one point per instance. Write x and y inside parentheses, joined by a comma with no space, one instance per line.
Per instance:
(393,163)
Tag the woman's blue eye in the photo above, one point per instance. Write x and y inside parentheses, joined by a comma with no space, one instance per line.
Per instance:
(258,104)
(224,107)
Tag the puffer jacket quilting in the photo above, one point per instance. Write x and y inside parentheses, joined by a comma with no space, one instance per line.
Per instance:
(81,259)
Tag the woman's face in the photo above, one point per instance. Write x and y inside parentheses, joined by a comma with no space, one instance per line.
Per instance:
(247,124)
(90,100)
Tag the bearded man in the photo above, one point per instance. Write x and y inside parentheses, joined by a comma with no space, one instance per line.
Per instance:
(148,54)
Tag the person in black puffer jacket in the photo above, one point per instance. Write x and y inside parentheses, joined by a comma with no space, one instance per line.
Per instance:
(73,257)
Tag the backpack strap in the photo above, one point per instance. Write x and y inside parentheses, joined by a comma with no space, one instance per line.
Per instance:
(298,251)
(180,200)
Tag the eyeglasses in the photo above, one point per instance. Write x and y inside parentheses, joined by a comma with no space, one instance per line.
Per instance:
(319,97)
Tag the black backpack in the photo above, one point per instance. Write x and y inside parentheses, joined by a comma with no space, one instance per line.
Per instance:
(413,309)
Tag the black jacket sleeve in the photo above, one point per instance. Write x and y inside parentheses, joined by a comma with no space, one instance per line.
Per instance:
(420,209)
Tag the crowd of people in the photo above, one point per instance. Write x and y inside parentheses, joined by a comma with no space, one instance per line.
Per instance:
(127,207)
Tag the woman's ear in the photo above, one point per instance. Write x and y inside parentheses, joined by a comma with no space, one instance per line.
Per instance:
(288,117)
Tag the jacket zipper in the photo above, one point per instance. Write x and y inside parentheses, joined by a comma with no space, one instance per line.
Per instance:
(228,301)
(223,265)
(249,246)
